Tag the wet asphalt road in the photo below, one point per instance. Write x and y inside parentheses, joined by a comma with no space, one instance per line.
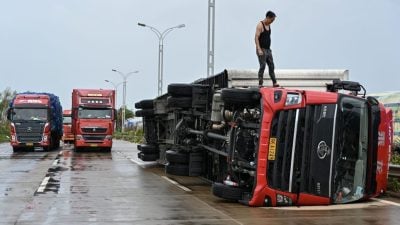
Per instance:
(65,187)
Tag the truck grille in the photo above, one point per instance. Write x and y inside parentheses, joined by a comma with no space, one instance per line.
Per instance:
(94,137)
(297,168)
(94,130)
(29,132)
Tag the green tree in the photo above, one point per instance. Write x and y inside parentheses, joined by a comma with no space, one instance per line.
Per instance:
(5,97)
(128,114)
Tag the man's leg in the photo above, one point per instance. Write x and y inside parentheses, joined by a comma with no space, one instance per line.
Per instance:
(271,66)
(262,59)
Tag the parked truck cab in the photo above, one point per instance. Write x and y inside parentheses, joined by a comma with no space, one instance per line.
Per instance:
(93,117)
(68,136)
(35,121)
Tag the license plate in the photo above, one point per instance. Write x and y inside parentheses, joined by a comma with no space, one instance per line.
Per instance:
(272,149)
(29,144)
(93,145)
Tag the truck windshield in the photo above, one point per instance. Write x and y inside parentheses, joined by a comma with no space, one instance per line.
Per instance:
(30,114)
(351,156)
(67,120)
(94,113)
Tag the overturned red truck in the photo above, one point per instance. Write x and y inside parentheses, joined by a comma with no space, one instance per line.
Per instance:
(271,146)
(93,118)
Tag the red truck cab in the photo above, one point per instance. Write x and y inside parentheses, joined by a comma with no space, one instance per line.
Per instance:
(68,136)
(311,148)
(93,118)
(35,121)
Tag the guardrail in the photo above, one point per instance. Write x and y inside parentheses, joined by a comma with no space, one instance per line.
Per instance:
(394,171)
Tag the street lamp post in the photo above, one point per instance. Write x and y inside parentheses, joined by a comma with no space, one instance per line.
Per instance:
(124,77)
(115,89)
(161,36)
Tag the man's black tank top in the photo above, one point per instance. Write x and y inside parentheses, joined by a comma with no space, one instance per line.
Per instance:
(265,38)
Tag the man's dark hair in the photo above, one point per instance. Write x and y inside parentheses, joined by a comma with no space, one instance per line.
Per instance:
(270,14)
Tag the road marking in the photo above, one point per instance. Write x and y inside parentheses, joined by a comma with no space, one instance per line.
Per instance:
(387,202)
(43,184)
(219,211)
(361,205)
(177,184)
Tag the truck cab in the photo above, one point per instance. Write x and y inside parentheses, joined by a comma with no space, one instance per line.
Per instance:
(35,121)
(93,118)
(68,136)
(306,148)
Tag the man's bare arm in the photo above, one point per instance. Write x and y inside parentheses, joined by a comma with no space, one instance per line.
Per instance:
(256,38)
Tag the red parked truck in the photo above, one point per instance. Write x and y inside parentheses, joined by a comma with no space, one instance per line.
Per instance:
(93,118)
(271,146)
(68,136)
(36,121)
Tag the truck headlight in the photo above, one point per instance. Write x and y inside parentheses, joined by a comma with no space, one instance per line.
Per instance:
(109,137)
(78,137)
(293,99)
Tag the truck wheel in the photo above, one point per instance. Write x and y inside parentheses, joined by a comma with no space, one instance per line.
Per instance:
(177,90)
(177,157)
(107,149)
(16,149)
(144,104)
(245,97)
(177,169)
(148,149)
(227,192)
(144,112)
(148,157)
(179,102)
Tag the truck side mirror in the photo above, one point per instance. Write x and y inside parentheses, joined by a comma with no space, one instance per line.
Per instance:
(73,114)
(115,114)
(9,111)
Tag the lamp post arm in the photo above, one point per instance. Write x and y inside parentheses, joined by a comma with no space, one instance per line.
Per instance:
(157,32)
(168,30)
(130,73)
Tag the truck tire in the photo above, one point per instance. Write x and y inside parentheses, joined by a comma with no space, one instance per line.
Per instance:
(178,90)
(148,157)
(148,149)
(177,169)
(227,192)
(179,102)
(245,97)
(17,149)
(144,112)
(144,104)
(177,157)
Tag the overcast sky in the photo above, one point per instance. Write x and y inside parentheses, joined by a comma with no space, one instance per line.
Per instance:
(55,46)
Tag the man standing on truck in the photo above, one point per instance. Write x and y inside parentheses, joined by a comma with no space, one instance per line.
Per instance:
(263,44)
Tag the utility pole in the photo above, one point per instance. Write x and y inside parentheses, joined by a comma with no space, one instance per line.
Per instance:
(124,77)
(210,38)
